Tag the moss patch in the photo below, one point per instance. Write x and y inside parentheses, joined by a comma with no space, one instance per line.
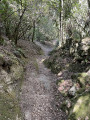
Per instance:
(9,107)
(82,78)
(17,72)
(81,108)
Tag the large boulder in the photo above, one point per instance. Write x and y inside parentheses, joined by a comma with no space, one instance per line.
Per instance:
(64,86)
(78,93)
(72,91)
(81,108)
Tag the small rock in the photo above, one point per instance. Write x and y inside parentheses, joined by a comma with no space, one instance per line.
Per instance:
(68,103)
(72,91)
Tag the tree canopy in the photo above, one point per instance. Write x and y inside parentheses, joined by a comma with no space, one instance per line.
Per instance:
(44,20)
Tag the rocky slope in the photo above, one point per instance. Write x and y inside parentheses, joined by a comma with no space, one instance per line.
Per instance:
(12,62)
(73,70)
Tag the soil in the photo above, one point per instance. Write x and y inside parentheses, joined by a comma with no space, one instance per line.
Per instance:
(40,99)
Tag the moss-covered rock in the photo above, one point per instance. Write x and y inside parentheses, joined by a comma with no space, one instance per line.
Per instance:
(82,78)
(81,108)
(54,64)
(11,76)
(16,72)
(9,107)
(75,59)
(64,86)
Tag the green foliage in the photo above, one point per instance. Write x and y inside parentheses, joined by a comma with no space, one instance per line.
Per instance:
(76,35)
(45,29)
(45,14)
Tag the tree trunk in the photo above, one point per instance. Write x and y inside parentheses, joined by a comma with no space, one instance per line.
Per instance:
(61,23)
(88,16)
(60,29)
(88,4)
(33,31)
(17,27)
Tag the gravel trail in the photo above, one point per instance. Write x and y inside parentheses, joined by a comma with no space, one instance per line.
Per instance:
(39,92)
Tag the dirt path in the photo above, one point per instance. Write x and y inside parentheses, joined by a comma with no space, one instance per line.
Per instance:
(38,92)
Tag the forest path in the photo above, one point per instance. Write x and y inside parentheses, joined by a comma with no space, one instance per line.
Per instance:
(39,90)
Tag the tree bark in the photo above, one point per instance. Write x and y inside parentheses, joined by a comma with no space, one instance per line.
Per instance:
(88,4)
(61,23)
(88,16)
(17,27)
(60,28)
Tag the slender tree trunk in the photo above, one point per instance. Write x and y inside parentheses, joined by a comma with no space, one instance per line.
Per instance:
(88,1)
(88,4)
(89,8)
(33,31)
(60,29)
(17,27)
(61,23)
(88,16)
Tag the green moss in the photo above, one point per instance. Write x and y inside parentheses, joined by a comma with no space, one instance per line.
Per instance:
(81,108)
(81,90)
(81,78)
(16,72)
(9,107)
(53,64)
(10,85)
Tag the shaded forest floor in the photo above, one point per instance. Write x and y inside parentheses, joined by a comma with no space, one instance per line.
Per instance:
(39,97)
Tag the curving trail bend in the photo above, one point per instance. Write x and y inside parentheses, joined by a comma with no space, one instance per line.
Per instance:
(39,91)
